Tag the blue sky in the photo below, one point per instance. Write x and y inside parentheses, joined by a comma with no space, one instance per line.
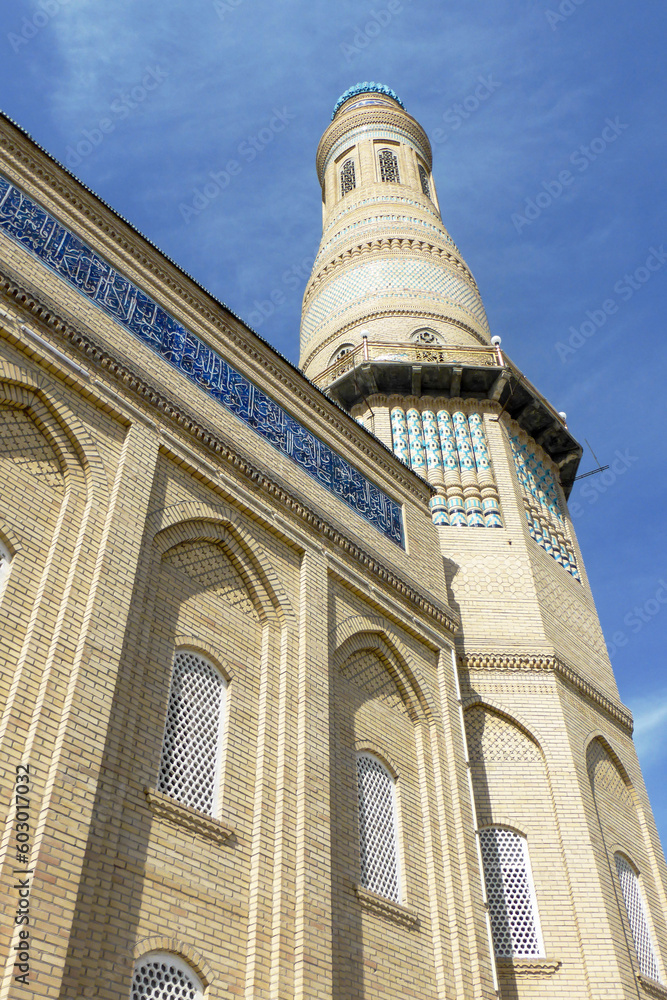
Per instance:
(199,122)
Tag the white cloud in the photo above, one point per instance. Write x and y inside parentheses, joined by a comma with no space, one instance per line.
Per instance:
(650,714)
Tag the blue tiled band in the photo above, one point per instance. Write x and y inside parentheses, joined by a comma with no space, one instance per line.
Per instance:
(31,226)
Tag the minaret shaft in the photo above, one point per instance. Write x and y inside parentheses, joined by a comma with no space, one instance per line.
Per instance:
(386,264)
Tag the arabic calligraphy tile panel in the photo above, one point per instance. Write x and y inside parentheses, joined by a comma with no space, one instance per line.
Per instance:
(31,226)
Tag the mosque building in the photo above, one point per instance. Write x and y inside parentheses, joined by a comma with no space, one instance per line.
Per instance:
(304,693)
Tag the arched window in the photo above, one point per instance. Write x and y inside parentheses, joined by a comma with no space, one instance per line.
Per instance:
(388,166)
(634,905)
(192,749)
(340,352)
(347,177)
(423,177)
(378,839)
(426,337)
(509,889)
(161,976)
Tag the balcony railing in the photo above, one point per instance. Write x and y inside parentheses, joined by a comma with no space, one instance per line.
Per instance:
(412,354)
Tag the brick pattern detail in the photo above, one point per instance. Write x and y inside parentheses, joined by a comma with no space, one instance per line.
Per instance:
(366,671)
(490,737)
(212,570)
(605,775)
(23,444)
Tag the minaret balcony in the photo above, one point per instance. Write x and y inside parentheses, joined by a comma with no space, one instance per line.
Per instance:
(390,369)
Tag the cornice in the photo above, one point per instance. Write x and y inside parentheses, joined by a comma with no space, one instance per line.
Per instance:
(174,812)
(131,381)
(386,908)
(372,116)
(394,246)
(528,662)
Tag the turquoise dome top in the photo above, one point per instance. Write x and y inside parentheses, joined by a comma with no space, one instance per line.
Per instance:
(367,88)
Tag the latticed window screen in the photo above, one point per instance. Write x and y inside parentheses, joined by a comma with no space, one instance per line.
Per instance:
(509,890)
(164,977)
(634,904)
(193,732)
(347,177)
(377,828)
(388,166)
(423,177)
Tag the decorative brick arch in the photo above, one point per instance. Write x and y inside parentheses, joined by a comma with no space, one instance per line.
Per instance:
(360,633)
(599,737)
(64,432)
(180,948)
(490,705)
(193,642)
(191,520)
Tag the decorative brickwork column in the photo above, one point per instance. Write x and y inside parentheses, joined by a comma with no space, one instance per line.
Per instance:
(312,960)
(61,834)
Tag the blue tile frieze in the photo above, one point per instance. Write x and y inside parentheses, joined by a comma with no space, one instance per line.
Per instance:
(31,226)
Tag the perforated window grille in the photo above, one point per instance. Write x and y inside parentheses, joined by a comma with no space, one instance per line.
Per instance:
(377,828)
(423,177)
(388,166)
(190,763)
(347,177)
(164,977)
(634,904)
(509,889)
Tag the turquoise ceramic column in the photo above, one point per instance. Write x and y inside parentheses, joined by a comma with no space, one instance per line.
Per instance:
(520,465)
(399,434)
(450,462)
(487,485)
(438,505)
(472,497)
(416,439)
(433,452)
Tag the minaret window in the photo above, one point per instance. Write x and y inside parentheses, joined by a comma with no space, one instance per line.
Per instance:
(634,905)
(423,177)
(426,337)
(377,828)
(191,753)
(340,352)
(511,897)
(162,976)
(347,177)
(388,166)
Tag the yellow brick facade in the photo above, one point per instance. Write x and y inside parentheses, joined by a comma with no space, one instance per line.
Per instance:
(140,517)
